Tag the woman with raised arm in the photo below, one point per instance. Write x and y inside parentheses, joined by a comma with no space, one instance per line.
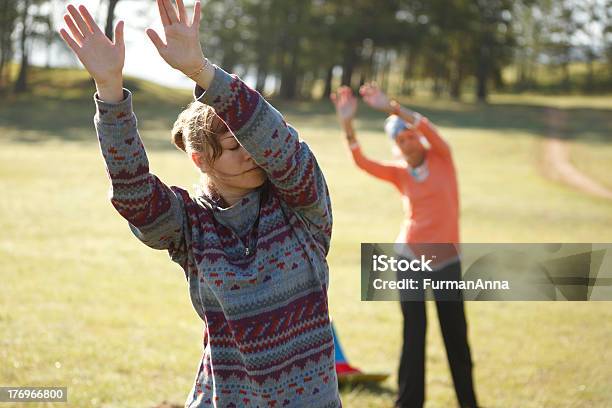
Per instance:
(252,243)
(427,183)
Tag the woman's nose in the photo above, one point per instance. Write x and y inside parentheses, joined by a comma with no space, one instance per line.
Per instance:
(245,154)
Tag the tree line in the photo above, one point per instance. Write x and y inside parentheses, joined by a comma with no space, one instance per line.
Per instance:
(302,48)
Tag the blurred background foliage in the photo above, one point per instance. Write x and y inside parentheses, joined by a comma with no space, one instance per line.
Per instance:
(302,49)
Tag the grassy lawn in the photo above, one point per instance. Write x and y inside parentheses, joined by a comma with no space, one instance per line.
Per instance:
(83,304)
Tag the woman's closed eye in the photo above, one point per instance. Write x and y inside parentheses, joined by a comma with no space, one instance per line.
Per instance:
(231,145)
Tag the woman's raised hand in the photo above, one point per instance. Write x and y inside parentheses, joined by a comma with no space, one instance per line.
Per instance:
(102,58)
(345,103)
(373,96)
(182,48)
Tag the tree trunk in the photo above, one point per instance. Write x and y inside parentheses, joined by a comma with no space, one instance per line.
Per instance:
(456,81)
(49,37)
(262,75)
(329,76)
(437,86)
(348,65)
(370,68)
(590,71)
(48,59)
(482,74)
(288,88)
(406,86)
(481,87)
(3,58)
(110,19)
(386,73)
(291,44)
(262,69)
(21,85)
(566,76)
(4,44)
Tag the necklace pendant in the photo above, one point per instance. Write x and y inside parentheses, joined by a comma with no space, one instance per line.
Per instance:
(247,251)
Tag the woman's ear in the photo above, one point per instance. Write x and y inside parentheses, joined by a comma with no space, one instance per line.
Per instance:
(196,158)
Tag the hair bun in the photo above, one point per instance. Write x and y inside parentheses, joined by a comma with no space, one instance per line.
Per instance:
(177,135)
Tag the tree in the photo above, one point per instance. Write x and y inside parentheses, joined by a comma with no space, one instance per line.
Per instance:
(21,85)
(493,41)
(563,30)
(110,19)
(608,38)
(592,15)
(8,18)
(228,30)
(30,18)
(530,19)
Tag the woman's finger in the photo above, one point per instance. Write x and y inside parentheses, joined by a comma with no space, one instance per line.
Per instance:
(181,11)
(119,33)
(197,9)
(71,43)
(76,34)
(162,13)
(155,39)
(170,11)
(91,23)
(78,19)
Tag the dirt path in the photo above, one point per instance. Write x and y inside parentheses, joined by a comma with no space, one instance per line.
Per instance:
(556,164)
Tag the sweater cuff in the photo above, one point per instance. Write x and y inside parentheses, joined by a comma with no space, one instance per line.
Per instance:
(213,95)
(114,113)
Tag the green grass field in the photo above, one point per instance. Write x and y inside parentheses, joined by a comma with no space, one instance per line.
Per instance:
(85,305)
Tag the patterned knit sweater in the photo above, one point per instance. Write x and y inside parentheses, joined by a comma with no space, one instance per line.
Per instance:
(256,271)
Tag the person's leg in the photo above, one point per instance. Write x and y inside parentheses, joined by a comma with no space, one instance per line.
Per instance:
(451,315)
(411,375)
(343,368)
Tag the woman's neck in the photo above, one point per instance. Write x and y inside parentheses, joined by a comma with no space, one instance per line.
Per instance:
(229,194)
(415,161)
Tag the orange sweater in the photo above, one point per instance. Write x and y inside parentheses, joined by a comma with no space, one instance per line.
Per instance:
(431,206)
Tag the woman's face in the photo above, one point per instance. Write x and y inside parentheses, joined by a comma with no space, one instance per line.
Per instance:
(409,143)
(234,168)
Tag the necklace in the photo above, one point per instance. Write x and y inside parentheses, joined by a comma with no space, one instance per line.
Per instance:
(419,173)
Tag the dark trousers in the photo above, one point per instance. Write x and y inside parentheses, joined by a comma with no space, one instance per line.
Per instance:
(454,331)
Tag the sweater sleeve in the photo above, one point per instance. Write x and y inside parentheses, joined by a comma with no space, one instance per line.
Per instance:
(276,147)
(437,143)
(154,211)
(379,170)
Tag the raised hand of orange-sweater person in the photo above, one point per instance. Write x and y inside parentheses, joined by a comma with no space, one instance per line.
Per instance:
(345,103)
(376,98)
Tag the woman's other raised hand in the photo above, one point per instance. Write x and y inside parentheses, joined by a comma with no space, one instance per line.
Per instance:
(182,48)
(102,58)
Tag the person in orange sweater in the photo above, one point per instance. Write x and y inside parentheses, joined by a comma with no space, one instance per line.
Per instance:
(427,182)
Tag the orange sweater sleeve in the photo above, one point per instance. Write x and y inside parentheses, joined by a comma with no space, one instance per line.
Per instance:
(437,143)
(379,170)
